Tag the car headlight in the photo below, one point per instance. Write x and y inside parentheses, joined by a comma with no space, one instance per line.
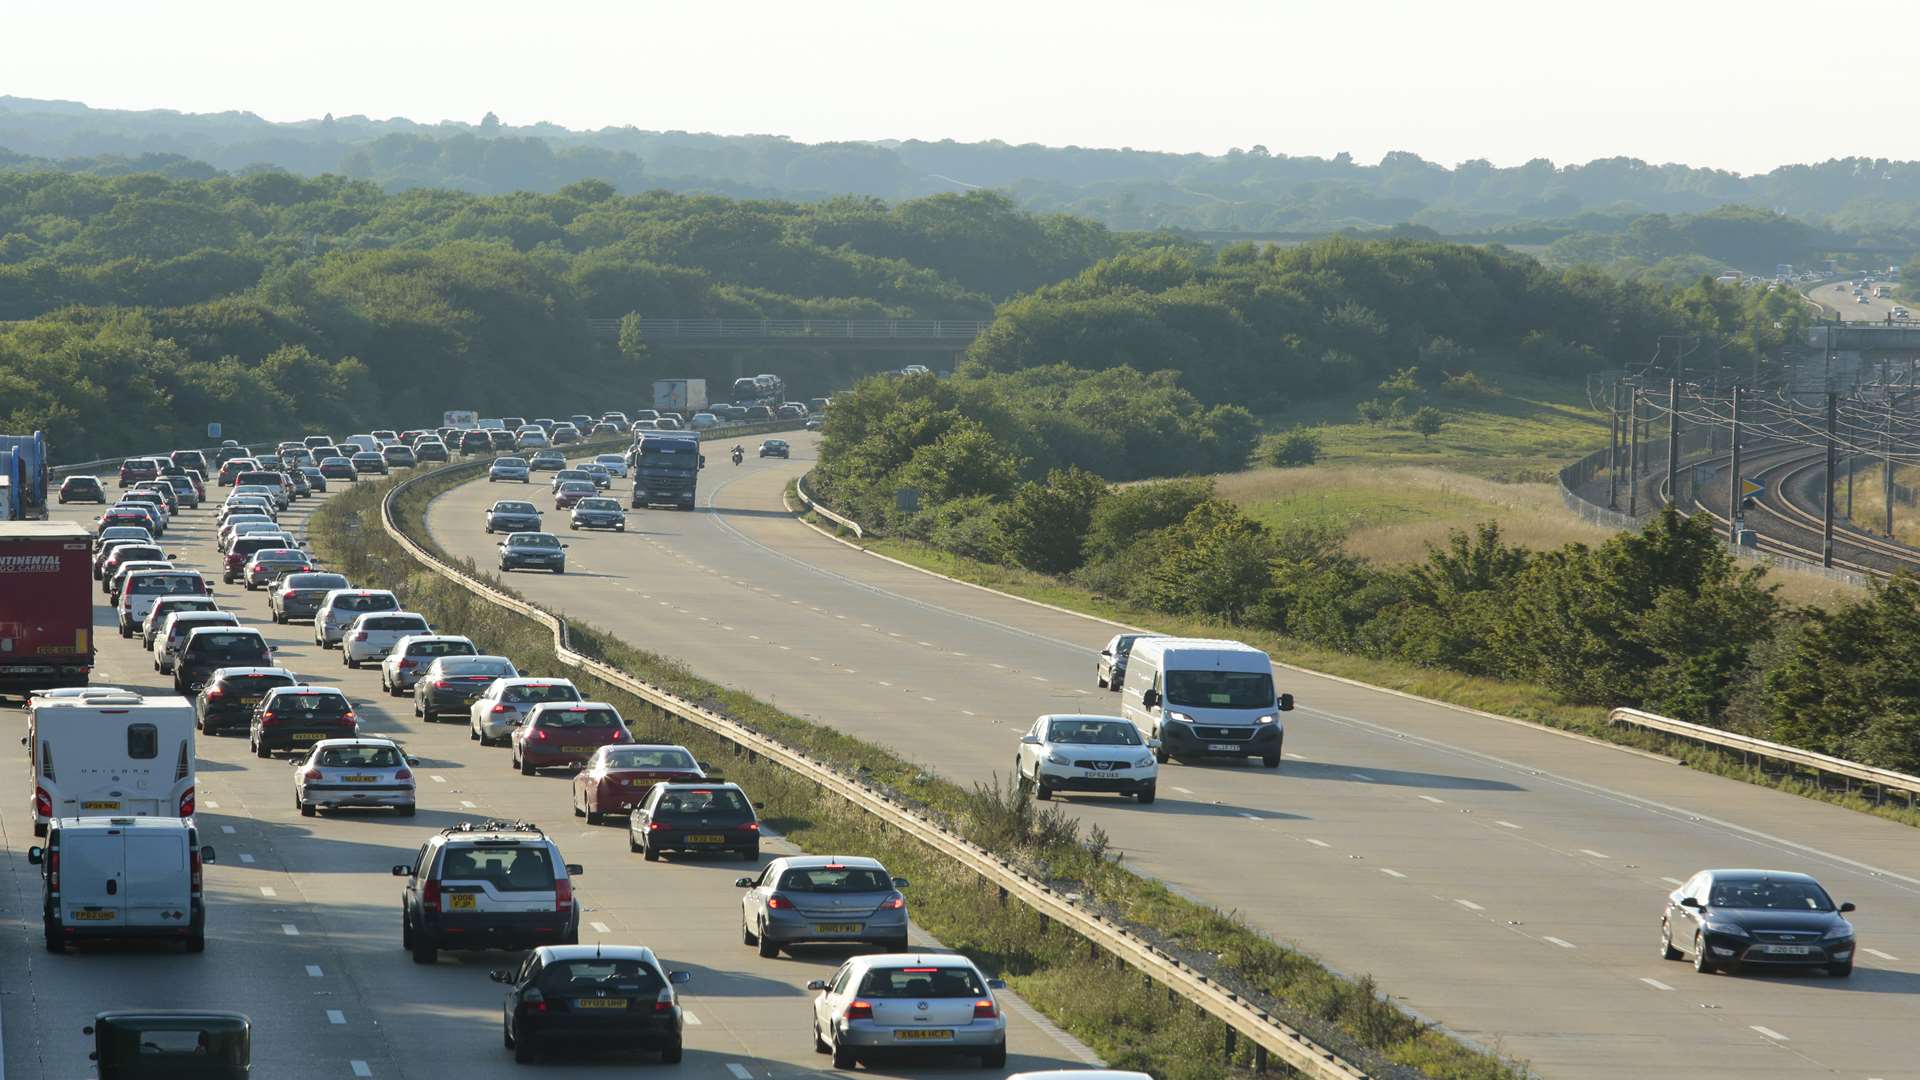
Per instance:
(1181,717)
(1839,932)
(1264,720)
(1059,758)
(1730,929)
(1144,761)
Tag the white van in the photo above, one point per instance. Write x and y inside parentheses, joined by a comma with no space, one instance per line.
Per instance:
(1204,698)
(118,754)
(364,443)
(122,877)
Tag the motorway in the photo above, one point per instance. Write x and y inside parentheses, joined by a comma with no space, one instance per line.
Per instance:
(1498,878)
(304,921)
(1838,297)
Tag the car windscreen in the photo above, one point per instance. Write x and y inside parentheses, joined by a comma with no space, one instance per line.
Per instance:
(599,504)
(440,648)
(921,982)
(311,705)
(715,802)
(166,585)
(535,540)
(280,555)
(127,553)
(314,581)
(571,474)
(836,879)
(577,487)
(511,462)
(365,602)
(537,692)
(675,458)
(491,667)
(360,757)
(1093,732)
(514,508)
(214,645)
(1220,689)
(641,757)
(394,622)
(507,869)
(583,718)
(1769,894)
(180,605)
(254,543)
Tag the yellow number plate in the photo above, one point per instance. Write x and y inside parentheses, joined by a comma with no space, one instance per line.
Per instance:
(923,1033)
(99,804)
(706,838)
(579,749)
(460,902)
(306,736)
(597,1003)
(837,927)
(94,916)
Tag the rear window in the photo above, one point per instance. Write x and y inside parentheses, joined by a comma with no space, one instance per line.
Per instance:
(540,692)
(635,757)
(696,803)
(535,540)
(281,555)
(515,508)
(507,869)
(499,669)
(921,982)
(311,704)
(143,741)
(843,879)
(585,718)
(182,626)
(599,976)
(358,602)
(166,585)
(237,646)
(599,504)
(254,684)
(440,648)
(314,581)
(367,757)
(395,622)
(252,544)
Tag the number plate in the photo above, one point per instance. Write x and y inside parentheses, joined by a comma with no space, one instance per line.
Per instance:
(461,902)
(1790,950)
(1103,776)
(99,804)
(95,916)
(306,736)
(706,838)
(255,700)
(923,1033)
(1223,746)
(837,928)
(359,779)
(600,1003)
(640,783)
(579,749)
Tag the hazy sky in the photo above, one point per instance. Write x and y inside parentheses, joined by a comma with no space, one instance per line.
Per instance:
(1744,86)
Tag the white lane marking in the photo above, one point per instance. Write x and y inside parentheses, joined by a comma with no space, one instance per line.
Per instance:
(245,858)
(228,829)
(1769,1033)
(1297,757)
(1558,941)
(1038,678)
(469,805)
(1431,799)
(1506,824)
(1655,983)
(724,626)
(739,1071)
(968,712)
(924,697)
(1881,955)
(268,890)
(755,637)
(600,928)
(211,805)
(1077,690)
(439,779)
(289,929)
(691,1019)
(867,626)
(361,1068)
(1469,905)
(1673,881)
(895,633)
(1392,873)
(1590,851)
(884,682)
(1181,790)
(335,1016)
(1361,776)
(314,972)
(1311,840)
(1251,817)
(786,648)
(928,644)
(815,659)
(1002,667)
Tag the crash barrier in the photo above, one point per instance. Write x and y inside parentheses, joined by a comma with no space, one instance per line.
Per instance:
(847,523)
(1752,751)
(1267,1033)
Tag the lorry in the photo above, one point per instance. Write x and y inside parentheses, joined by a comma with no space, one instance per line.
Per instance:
(683,396)
(460,419)
(665,466)
(46,606)
(24,477)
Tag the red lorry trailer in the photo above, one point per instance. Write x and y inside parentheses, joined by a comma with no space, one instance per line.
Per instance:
(46,606)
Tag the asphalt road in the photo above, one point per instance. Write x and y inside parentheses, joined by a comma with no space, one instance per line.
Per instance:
(1501,879)
(304,914)
(1839,297)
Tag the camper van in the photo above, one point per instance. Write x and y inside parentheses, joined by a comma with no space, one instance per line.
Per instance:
(122,877)
(1204,698)
(120,755)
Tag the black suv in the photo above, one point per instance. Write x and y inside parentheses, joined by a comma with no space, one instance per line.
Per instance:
(210,648)
(490,885)
(476,441)
(82,489)
(227,701)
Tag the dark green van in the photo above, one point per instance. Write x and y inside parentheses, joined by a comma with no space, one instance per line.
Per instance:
(172,1045)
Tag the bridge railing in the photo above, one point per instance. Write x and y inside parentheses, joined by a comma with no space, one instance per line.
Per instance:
(665,327)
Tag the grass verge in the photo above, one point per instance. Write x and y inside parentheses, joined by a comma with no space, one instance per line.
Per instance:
(1099,1001)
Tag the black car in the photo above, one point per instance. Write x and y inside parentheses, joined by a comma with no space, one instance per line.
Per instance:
(502,440)
(369,462)
(316,480)
(227,701)
(598,514)
(774,448)
(1727,919)
(210,648)
(695,817)
(476,442)
(591,998)
(295,717)
(82,489)
(298,596)
(533,551)
(338,468)
(509,515)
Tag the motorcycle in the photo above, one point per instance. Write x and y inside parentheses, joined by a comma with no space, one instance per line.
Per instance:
(739,455)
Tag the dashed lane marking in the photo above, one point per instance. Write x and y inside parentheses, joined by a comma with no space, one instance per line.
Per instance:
(1655,983)
(600,928)
(246,858)
(228,829)
(739,1071)
(361,1068)
(1469,905)
(314,972)
(1881,955)
(289,929)
(335,1016)
(1431,799)
(1318,843)
(1506,824)
(1361,776)
(268,890)
(1673,881)
(1557,941)
(211,805)
(1181,790)
(439,779)
(690,1018)
(1392,873)
(1769,1033)
(1590,851)
(469,805)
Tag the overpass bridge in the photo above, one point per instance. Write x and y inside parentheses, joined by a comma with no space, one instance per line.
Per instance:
(951,336)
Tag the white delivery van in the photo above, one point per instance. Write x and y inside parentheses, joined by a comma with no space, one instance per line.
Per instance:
(122,877)
(122,755)
(1204,698)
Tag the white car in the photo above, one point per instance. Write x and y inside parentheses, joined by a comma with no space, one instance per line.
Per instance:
(505,705)
(340,607)
(1087,753)
(354,772)
(372,635)
(613,463)
(166,643)
(411,655)
(931,1001)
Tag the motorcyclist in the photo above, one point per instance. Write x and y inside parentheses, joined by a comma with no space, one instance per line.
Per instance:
(739,452)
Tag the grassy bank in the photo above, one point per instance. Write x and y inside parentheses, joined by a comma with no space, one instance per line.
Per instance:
(1098,1001)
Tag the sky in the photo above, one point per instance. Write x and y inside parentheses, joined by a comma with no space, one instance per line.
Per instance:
(1741,86)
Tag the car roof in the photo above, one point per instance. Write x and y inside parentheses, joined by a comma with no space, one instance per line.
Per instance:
(809,861)
(1777,875)
(331,593)
(237,672)
(534,680)
(475,656)
(255,631)
(390,615)
(573,706)
(915,959)
(552,953)
(415,639)
(1051,717)
(369,741)
(307,690)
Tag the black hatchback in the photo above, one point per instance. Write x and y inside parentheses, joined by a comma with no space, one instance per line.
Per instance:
(82,489)
(227,701)
(1730,919)
(210,648)
(695,817)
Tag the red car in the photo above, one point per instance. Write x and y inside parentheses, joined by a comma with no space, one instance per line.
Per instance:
(617,778)
(134,470)
(566,734)
(572,492)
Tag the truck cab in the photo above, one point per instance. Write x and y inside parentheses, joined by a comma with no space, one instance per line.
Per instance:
(665,467)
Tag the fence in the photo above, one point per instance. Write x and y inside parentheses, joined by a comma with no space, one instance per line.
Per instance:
(1267,1033)
(1751,749)
(800,487)
(660,328)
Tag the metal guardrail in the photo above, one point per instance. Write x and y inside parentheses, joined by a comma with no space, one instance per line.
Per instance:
(1267,1033)
(664,327)
(800,487)
(1881,780)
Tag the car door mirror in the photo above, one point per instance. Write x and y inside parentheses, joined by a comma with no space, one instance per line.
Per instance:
(679,978)
(574,869)
(1688,901)
(206,853)
(565,546)
(297,762)
(899,883)
(1153,744)
(1150,699)
(1846,907)
(816,984)
(500,975)
(1030,740)
(403,871)
(1285,703)
(413,761)
(34,853)
(173,554)
(996,984)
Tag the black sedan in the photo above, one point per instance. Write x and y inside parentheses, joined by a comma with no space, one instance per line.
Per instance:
(533,551)
(316,480)
(1727,919)
(512,515)
(774,448)
(598,514)
(369,462)
(338,468)
(591,998)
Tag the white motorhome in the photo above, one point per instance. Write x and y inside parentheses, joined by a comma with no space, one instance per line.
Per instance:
(1205,698)
(122,877)
(121,754)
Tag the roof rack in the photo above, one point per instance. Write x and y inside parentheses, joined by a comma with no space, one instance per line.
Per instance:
(492,826)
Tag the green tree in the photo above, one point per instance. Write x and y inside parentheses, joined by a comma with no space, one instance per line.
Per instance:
(1428,421)
(1046,523)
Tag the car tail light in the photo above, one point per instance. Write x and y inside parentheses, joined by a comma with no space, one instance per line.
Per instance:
(751,826)
(438,684)
(267,718)
(430,894)
(286,596)
(654,826)
(215,692)
(619,736)
(404,664)
(314,774)
(42,803)
(540,733)
(984,1010)
(403,774)
(194,867)
(186,803)
(894,903)
(663,1003)
(53,870)
(563,895)
(497,709)
(859,1010)
(256,567)
(361,636)
(777,902)
(535,1000)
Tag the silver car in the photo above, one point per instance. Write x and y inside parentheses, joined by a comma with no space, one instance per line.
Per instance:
(505,705)
(340,607)
(269,565)
(371,636)
(354,772)
(928,1001)
(615,464)
(823,898)
(508,469)
(410,657)
(166,643)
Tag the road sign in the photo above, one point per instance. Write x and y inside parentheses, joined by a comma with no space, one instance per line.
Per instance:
(1750,487)
(213,431)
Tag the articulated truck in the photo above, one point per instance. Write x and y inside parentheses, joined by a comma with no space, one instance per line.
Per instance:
(665,466)
(46,606)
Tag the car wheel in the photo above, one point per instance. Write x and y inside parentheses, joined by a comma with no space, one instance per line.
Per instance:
(671,1054)
(843,1057)
(559,569)
(819,1044)
(523,1051)
(995,1057)
(347,659)
(595,817)
(260,749)
(1271,761)
(748,937)
(473,734)
(56,938)
(634,845)
(649,853)
(769,948)
(1667,951)
(279,618)
(1700,962)
(1042,792)
(1160,753)
(1145,795)
(307,809)
(751,854)
(197,942)
(125,631)
(526,767)
(424,949)
(406,932)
